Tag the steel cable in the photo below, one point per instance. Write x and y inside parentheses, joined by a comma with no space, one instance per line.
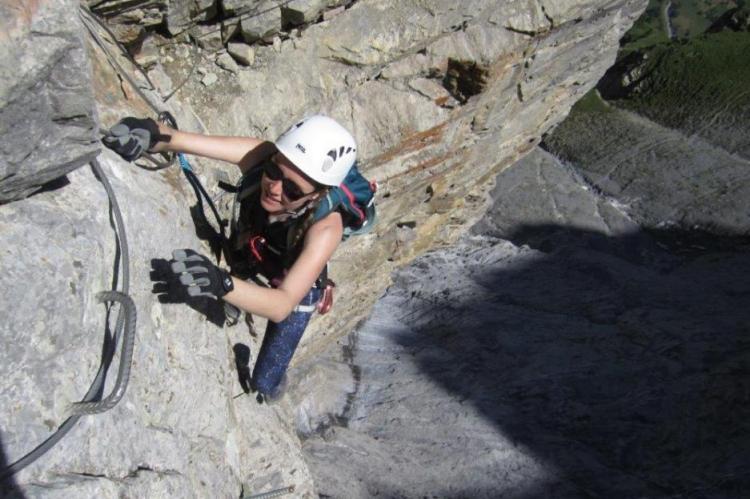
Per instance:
(126,318)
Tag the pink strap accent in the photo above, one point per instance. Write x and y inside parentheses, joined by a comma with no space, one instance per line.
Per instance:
(352,201)
(253,241)
(326,300)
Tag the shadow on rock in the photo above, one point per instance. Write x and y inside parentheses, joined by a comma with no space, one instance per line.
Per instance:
(622,362)
(52,185)
(242,364)
(204,230)
(8,486)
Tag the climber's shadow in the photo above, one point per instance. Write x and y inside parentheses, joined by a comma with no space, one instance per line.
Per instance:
(242,364)
(205,231)
(8,486)
(168,290)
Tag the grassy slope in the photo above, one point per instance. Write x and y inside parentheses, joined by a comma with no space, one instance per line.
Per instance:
(693,17)
(689,18)
(700,87)
(697,83)
(692,87)
(647,31)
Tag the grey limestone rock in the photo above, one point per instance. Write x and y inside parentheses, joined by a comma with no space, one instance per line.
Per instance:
(261,22)
(179,429)
(541,191)
(240,6)
(47,115)
(304,11)
(226,62)
(208,37)
(183,14)
(209,79)
(129,20)
(160,79)
(554,362)
(184,427)
(149,54)
(242,52)
(523,16)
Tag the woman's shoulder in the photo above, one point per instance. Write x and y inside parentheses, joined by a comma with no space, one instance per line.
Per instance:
(331,225)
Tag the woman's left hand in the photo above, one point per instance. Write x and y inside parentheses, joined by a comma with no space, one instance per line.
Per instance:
(199,275)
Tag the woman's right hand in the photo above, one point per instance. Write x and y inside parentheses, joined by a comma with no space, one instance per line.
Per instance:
(131,137)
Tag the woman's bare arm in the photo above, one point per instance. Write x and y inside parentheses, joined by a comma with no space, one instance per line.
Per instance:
(242,151)
(276,304)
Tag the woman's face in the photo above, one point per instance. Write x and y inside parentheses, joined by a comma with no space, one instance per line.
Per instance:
(276,197)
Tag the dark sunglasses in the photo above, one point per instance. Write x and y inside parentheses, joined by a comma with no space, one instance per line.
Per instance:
(290,190)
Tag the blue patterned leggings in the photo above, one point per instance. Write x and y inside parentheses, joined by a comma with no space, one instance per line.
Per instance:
(279,343)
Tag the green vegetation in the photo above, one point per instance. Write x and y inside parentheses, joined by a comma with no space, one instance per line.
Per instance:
(689,18)
(696,83)
(698,86)
(709,72)
(647,31)
(692,17)
(592,102)
(687,82)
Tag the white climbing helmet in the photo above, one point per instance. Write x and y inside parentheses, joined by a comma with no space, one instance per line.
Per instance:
(320,147)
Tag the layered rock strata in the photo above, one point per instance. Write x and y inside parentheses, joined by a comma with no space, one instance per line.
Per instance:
(440,99)
(588,338)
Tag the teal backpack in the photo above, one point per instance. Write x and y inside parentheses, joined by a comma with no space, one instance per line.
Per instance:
(355,199)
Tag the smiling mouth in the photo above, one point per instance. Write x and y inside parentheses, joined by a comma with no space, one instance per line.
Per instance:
(270,197)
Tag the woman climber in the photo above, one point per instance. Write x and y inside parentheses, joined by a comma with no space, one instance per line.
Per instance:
(283,237)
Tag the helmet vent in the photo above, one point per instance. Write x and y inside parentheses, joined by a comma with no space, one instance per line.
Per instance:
(327,163)
(332,154)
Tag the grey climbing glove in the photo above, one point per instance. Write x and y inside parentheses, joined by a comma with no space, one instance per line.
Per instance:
(199,276)
(131,137)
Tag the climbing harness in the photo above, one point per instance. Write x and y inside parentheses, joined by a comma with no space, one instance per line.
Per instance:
(125,327)
(273,248)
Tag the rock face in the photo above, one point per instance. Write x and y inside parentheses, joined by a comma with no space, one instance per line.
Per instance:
(440,99)
(47,115)
(587,339)
(186,434)
(560,351)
